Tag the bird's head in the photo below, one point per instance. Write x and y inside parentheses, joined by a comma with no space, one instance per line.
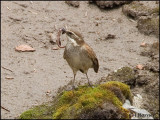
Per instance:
(74,37)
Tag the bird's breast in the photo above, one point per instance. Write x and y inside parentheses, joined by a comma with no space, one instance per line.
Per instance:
(76,57)
(72,52)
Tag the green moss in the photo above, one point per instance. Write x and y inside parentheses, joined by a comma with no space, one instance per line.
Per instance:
(67,96)
(124,88)
(125,73)
(72,104)
(38,112)
(60,111)
(86,98)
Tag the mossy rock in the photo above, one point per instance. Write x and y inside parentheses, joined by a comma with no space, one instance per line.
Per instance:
(110,4)
(137,9)
(73,3)
(149,25)
(125,74)
(151,50)
(148,18)
(38,112)
(102,101)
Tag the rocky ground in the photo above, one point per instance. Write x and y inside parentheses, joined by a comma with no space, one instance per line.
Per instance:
(118,38)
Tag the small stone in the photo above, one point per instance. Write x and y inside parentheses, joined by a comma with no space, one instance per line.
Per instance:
(55,48)
(96,24)
(24,48)
(143,44)
(110,36)
(62,19)
(140,67)
(48,92)
(9,78)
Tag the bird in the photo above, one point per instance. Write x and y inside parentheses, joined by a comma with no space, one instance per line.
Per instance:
(78,54)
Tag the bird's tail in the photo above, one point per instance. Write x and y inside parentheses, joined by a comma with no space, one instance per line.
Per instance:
(96,65)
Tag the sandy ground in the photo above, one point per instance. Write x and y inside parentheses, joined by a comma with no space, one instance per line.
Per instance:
(35,73)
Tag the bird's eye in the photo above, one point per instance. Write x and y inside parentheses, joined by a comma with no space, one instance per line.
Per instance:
(70,33)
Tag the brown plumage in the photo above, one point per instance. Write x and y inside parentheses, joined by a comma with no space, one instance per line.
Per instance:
(93,57)
(79,55)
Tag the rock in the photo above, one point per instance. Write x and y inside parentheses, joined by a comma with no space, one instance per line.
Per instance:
(110,4)
(73,3)
(152,51)
(143,44)
(149,83)
(124,74)
(152,67)
(142,80)
(148,79)
(140,67)
(118,93)
(135,10)
(110,36)
(148,25)
(62,19)
(9,78)
(147,16)
(24,48)
(155,48)
(152,99)
(52,37)
(85,102)
(106,111)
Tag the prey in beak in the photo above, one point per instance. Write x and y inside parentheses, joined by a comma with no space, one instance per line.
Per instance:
(58,37)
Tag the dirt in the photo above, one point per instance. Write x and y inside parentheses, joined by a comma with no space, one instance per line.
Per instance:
(35,73)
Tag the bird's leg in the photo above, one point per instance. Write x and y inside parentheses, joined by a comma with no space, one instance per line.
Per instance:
(88,80)
(73,87)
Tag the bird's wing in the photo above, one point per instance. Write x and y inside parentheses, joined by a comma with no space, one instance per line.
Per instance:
(90,53)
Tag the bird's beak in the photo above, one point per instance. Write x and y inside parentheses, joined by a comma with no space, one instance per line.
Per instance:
(63,31)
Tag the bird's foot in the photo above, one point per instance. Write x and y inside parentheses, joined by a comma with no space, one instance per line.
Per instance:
(73,87)
(69,88)
(91,85)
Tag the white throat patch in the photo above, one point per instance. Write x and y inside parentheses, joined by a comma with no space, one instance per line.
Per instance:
(73,41)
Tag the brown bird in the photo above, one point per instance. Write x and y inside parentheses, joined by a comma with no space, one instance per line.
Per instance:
(78,54)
